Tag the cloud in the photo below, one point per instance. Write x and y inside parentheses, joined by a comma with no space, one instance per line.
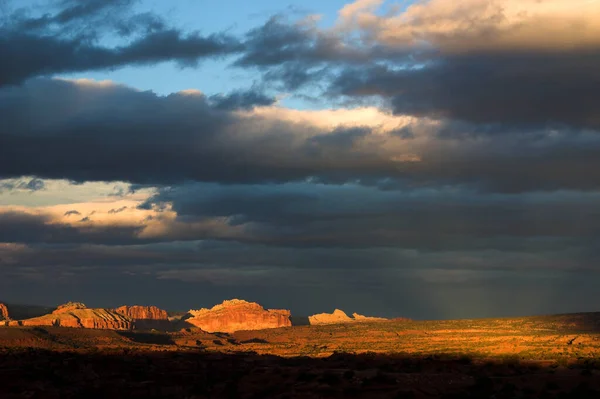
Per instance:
(354,216)
(22,184)
(57,43)
(478,174)
(146,139)
(118,210)
(387,282)
(482,25)
(107,221)
(73,11)
(317,216)
(295,54)
(502,61)
(241,100)
(20,227)
(512,89)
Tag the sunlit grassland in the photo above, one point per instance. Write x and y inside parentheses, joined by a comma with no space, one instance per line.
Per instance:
(573,337)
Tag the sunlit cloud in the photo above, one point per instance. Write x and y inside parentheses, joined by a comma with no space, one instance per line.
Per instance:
(482,25)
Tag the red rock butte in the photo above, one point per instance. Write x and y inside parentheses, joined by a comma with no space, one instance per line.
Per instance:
(235,315)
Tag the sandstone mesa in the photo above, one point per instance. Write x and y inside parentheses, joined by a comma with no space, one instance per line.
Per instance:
(228,317)
(235,315)
(77,315)
(339,316)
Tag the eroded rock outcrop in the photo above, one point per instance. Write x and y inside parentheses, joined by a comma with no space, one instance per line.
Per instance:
(235,315)
(68,307)
(359,317)
(3,312)
(339,316)
(146,317)
(76,315)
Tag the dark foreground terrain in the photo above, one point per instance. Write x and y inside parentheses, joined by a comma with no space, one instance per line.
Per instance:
(531,357)
(40,373)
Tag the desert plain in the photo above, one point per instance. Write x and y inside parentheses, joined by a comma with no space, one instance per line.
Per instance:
(526,357)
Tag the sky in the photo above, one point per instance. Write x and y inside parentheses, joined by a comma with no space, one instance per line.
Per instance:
(430,159)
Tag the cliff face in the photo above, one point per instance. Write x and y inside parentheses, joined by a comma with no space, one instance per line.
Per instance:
(146,317)
(77,316)
(3,312)
(143,312)
(339,316)
(235,315)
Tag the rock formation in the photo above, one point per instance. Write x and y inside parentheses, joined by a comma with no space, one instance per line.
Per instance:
(143,312)
(235,315)
(146,317)
(339,316)
(68,307)
(76,315)
(3,312)
(359,317)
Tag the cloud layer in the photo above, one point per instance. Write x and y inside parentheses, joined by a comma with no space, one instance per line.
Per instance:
(453,158)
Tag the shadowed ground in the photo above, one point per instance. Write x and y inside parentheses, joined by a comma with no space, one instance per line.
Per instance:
(141,374)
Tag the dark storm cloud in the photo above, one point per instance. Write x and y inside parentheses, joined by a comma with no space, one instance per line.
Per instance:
(511,89)
(151,140)
(358,217)
(392,296)
(381,282)
(177,260)
(241,100)
(52,44)
(305,216)
(19,227)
